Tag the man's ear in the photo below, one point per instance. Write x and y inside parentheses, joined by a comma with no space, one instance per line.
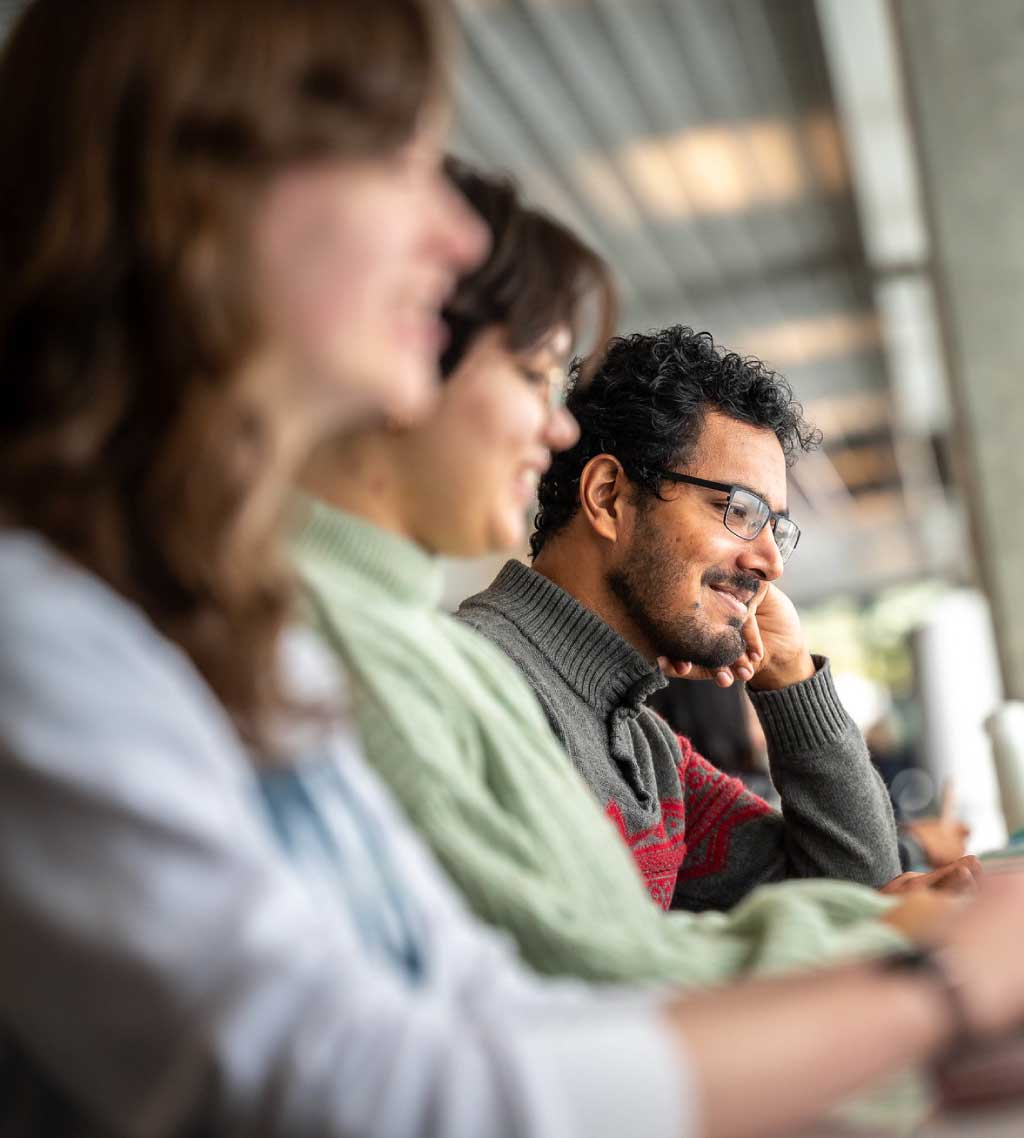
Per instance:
(603,494)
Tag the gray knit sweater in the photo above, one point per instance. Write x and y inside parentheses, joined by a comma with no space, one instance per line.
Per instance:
(700,838)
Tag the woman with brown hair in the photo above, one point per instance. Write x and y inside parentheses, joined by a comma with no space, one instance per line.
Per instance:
(220,236)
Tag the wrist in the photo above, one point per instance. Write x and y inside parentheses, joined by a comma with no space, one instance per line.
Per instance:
(774,676)
(934,968)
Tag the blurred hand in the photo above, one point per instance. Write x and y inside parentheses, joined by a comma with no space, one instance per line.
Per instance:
(921,914)
(959,877)
(982,941)
(776,652)
(942,840)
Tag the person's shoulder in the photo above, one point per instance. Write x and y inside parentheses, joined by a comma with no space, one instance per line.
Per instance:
(27,561)
(487,612)
(483,611)
(45,596)
(85,675)
(67,635)
(485,602)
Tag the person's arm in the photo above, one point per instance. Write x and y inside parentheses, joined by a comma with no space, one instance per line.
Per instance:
(806,1042)
(811,1040)
(838,817)
(167,971)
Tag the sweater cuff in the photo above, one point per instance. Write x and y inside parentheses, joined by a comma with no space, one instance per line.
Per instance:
(804,716)
(618,1071)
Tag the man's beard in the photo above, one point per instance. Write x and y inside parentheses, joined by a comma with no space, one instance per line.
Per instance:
(645,581)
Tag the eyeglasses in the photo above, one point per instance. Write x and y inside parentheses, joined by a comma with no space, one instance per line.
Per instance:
(747,513)
(551,385)
(557,390)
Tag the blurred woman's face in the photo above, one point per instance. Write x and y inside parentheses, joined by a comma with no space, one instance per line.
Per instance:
(354,260)
(470,471)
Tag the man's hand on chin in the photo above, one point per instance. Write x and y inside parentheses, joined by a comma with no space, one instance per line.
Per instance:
(786,659)
(776,654)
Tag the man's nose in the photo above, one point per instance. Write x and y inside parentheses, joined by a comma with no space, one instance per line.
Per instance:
(762,557)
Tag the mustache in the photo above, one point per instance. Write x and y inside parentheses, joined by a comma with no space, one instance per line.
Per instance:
(738,582)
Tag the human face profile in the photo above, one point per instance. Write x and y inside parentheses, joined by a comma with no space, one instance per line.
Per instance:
(354,260)
(685,581)
(477,459)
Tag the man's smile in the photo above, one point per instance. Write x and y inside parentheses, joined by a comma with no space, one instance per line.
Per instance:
(735,600)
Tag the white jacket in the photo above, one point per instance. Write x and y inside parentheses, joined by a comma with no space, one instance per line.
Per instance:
(167,969)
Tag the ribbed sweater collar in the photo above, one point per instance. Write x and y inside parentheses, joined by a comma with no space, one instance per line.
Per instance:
(327,536)
(592,658)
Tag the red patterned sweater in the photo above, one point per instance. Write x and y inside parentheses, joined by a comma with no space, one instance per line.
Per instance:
(692,836)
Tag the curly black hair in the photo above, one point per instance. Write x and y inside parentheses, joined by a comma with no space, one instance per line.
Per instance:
(645,404)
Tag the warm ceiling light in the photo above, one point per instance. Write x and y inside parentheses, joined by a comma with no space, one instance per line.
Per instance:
(825,147)
(777,161)
(704,171)
(713,170)
(796,342)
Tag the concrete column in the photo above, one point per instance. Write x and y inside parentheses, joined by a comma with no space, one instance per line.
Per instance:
(964,65)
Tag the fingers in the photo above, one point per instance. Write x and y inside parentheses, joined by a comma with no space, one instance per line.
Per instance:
(760,596)
(956,879)
(960,877)
(752,636)
(741,669)
(683,669)
(900,883)
(921,913)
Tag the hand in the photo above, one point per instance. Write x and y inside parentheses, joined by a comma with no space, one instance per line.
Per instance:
(959,877)
(942,840)
(921,914)
(776,653)
(786,659)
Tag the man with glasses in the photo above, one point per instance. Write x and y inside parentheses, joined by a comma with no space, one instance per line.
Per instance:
(659,538)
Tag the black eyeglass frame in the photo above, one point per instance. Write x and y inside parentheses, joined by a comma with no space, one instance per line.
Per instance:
(729,488)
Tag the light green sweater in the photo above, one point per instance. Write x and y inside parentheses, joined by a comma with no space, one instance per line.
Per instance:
(457,734)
